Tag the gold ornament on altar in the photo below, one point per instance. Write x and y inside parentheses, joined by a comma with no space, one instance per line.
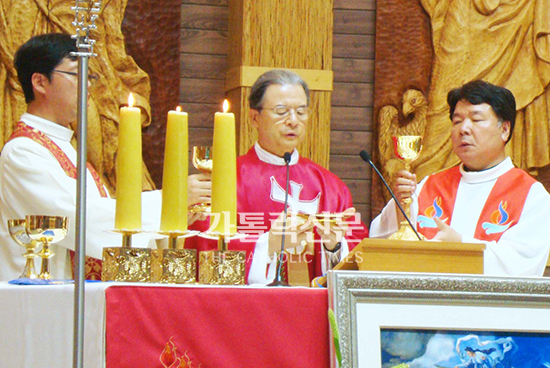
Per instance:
(18,233)
(46,230)
(222,266)
(202,161)
(407,149)
(174,265)
(126,263)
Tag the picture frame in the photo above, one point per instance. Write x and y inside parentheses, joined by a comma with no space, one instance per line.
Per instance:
(367,304)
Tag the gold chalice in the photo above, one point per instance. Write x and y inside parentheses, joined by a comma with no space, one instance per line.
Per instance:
(46,230)
(407,148)
(16,228)
(202,160)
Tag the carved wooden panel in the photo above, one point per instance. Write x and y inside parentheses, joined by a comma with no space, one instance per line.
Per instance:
(403,61)
(152,31)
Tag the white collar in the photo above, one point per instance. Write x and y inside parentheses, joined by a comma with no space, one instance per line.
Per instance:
(474,177)
(272,159)
(47,127)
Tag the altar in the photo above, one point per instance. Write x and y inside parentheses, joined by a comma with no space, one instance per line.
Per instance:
(153,325)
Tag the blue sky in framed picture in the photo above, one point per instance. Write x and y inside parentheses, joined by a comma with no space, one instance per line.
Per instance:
(412,348)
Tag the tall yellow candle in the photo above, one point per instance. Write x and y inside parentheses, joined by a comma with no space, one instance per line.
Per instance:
(129,169)
(174,177)
(224,173)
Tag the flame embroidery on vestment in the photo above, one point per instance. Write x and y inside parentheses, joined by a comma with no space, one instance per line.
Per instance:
(498,220)
(435,210)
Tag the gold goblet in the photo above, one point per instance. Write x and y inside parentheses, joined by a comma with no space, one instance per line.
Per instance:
(407,148)
(46,230)
(202,160)
(16,228)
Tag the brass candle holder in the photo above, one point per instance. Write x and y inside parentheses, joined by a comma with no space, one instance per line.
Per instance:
(46,230)
(222,266)
(126,263)
(407,148)
(18,233)
(174,265)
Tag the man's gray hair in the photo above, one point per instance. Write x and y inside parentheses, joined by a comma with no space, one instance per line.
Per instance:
(275,76)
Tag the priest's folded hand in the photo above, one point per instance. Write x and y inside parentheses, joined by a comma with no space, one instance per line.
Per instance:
(296,230)
(333,227)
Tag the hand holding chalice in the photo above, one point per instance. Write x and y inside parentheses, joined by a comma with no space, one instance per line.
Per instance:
(202,160)
(407,148)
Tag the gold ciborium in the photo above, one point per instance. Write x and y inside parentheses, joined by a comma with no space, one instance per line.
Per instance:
(202,160)
(46,230)
(407,148)
(16,228)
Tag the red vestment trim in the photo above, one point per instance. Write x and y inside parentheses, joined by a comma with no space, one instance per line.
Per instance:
(502,209)
(93,265)
(23,130)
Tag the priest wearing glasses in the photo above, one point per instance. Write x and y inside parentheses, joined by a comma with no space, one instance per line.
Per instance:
(279,110)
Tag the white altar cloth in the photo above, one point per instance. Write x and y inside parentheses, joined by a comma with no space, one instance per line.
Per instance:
(36,325)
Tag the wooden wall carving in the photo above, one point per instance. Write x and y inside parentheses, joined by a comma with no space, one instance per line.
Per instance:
(505,43)
(152,31)
(203,57)
(403,61)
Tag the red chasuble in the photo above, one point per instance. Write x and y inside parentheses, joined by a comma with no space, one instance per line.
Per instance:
(502,209)
(261,195)
(93,265)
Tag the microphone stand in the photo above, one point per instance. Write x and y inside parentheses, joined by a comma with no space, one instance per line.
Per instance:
(365,156)
(278,281)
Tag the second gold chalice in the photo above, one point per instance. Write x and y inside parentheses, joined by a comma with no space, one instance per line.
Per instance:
(407,148)
(202,161)
(46,230)
(16,228)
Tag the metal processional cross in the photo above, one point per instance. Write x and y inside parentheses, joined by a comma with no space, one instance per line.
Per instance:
(84,21)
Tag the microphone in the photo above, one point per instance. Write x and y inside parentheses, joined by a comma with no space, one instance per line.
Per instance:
(278,281)
(366,157)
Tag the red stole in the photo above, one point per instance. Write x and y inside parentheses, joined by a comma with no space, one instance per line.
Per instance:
(93,265)
(501,211)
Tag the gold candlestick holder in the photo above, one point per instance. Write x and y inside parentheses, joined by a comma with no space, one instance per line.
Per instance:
(222,266)
(407,148)
(126,263)
(174,265)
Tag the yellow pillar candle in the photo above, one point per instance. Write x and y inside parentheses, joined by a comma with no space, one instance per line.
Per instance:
(224,173)
(129,169)
(174,177)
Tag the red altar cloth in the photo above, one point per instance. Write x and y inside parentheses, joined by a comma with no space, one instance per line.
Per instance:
(218,327)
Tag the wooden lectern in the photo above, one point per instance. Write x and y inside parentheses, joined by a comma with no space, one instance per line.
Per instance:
(414,256)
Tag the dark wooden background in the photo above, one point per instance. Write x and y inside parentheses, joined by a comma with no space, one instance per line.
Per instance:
(202,41)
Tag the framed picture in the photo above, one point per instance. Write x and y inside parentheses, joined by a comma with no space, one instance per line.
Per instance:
(392,320)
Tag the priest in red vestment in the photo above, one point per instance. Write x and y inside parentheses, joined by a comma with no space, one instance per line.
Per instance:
(279,110)
(485,199)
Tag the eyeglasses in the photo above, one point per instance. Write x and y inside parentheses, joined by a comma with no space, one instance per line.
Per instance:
(302,113)
(92,77)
